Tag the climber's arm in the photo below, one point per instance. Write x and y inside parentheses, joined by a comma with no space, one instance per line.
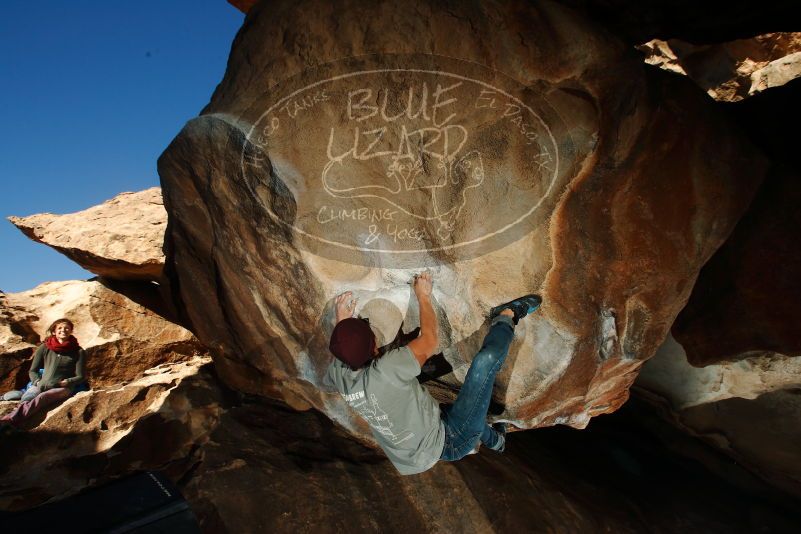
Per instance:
(426,344)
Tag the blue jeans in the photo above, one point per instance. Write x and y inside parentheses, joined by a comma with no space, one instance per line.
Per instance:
(466,419)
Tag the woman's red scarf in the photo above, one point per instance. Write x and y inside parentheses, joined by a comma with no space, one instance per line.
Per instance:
(71,345)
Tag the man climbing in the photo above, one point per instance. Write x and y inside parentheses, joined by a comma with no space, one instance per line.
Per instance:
(407,422)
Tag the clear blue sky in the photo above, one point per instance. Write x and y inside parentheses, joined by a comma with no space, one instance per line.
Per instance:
(91,93)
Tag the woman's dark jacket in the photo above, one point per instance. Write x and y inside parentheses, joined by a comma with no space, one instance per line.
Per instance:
(69,366)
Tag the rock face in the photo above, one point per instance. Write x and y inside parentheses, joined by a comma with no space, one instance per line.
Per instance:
(744,301)
(516,149)
(156,422)
(258,466)
(761,434)
(122,338)
(297,472)
(669,375)
(731,71)
(17,341)
(119,239)
(152,403)
(749,410)
(733,371)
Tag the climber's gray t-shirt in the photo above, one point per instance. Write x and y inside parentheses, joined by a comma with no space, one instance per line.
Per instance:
(403,416)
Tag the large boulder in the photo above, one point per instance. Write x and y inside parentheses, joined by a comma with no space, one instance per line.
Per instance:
(744,302)
(267,468)
(122,337)
(731,372)
(517,148)
(254,465)
(121,238)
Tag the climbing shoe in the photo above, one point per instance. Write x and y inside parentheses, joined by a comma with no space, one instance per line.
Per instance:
(520,306)
(500,428)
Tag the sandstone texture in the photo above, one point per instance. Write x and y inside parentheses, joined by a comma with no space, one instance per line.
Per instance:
(119,239)
(122,337)
(671,376)
(157,421)
(748,410)
(731,369)
(761,434)
(745,300)
(735,70)
(246,465)
(267,468)
(516,149)
(17,341)
(508,147)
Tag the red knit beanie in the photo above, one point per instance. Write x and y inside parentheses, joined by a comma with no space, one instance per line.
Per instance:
(352,342)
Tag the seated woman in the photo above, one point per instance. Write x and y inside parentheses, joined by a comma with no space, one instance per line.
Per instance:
(64,363)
